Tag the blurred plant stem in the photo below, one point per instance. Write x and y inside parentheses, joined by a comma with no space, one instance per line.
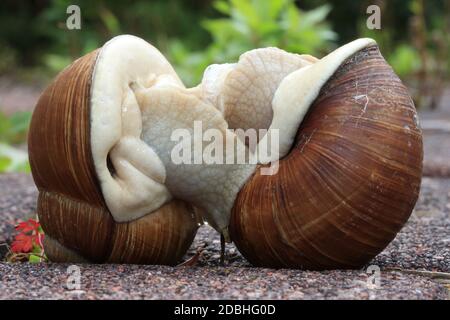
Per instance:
(434,68)
(419,40)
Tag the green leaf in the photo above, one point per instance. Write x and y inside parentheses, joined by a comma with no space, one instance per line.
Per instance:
(34,259)
(276,6)
(316,15)
(5,127)
(20,122)
(222,7)
(56,62)
(5,163)
(17,159)
(109,20)
(405,60)
(292,18)
(244,11)
(23,167)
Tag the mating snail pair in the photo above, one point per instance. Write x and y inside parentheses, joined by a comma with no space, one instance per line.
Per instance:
(348,175)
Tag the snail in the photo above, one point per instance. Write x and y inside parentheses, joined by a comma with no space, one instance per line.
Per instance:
(127,159)
(351,171)
(101,189)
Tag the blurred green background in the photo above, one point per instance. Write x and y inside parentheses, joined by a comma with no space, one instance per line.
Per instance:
(35,43)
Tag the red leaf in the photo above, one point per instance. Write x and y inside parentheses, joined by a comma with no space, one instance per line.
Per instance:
(28,226)
(34,223)
(22,243)
(24,227)
(28,236)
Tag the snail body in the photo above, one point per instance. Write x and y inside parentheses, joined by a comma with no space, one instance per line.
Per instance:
(348,162)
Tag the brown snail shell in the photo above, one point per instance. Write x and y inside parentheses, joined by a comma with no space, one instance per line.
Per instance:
(71,208)
(350,181)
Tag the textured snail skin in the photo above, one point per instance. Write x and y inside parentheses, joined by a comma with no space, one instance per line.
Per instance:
(72,211)
(350,181)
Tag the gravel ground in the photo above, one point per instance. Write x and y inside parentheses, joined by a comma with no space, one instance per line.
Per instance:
(423,245)
(48,281)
